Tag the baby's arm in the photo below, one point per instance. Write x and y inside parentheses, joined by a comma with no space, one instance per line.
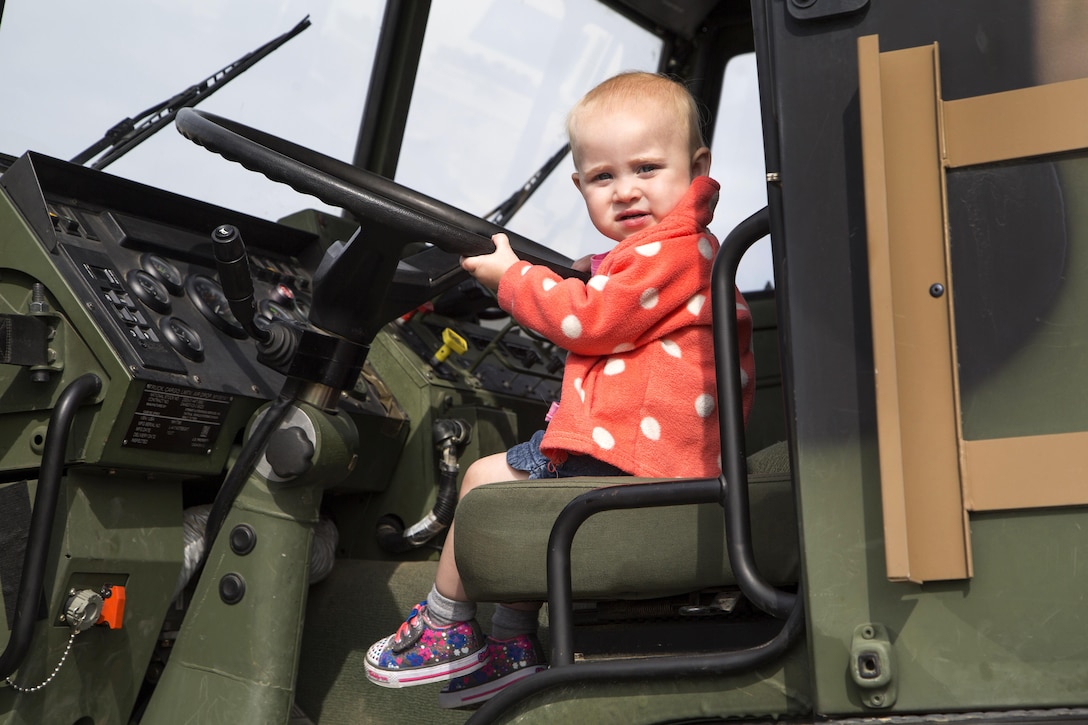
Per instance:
(488,269)
(637,301)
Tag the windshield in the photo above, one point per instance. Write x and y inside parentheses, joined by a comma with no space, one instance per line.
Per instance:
(73,69)
(495,82)
(501,77)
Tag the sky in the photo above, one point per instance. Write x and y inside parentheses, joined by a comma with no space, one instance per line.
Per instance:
(495,81)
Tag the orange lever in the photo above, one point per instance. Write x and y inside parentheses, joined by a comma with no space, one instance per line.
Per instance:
(113,608)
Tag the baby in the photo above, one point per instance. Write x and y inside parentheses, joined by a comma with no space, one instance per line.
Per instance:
(638,393)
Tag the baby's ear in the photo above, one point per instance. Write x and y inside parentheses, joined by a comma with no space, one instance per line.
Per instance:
(577,179)
(700,162)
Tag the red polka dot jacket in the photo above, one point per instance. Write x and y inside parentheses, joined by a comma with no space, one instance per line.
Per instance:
(638,388)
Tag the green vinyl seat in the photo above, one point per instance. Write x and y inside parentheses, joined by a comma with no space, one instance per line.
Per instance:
(503,530)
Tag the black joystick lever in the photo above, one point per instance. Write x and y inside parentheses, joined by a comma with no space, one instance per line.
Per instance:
(301,351)
(234,276)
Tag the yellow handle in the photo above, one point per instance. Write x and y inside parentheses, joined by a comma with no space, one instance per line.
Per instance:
(452,343)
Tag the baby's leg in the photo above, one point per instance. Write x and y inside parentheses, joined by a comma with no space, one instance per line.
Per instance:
(440,639)
(513,650)
(490,469)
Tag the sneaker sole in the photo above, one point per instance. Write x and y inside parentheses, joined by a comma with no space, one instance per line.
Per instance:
(483,693)
(424,675)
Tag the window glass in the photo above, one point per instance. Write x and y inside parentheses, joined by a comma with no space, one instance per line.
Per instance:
(495,82)
(739,166)
(73,69)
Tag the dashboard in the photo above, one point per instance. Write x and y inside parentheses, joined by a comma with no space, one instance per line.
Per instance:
(133,270)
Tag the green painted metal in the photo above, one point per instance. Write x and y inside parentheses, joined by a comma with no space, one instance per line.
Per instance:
(773,692)
(111,527)
(1012,636)
(237,652)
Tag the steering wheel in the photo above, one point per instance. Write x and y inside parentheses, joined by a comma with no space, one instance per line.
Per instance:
(352,301)
(366,195)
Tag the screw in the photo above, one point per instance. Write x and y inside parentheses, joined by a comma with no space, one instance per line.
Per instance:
(936,289)
(37,298)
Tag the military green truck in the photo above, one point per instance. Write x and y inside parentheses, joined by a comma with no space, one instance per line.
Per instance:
(230,446)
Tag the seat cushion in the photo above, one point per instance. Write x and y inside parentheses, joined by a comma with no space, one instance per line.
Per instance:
(503,529)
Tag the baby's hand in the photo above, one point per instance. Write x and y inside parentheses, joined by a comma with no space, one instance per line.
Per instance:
(584,264)
(488,269)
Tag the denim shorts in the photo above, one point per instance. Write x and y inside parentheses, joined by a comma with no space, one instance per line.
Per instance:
(527,457)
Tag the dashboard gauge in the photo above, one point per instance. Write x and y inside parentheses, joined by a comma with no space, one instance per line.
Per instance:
(164,271)
(182,337)
(207,296)
(148,290)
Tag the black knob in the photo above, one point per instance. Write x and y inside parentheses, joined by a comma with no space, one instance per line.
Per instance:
(290,452)
(232,587)
(242,539)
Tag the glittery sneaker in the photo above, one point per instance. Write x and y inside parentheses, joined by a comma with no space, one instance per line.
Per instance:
(509,661)
(420,652)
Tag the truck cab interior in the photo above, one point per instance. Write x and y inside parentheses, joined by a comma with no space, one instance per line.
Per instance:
(242,372)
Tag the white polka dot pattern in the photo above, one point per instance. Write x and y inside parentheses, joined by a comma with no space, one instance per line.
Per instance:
(671,348)
(704,405)
(706,248)
(572,327)
(639,338)
(614,367)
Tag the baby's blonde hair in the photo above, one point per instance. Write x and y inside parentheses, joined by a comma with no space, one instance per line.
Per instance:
(646,88)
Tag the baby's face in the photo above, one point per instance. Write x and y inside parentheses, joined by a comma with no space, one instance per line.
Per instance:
(633,167)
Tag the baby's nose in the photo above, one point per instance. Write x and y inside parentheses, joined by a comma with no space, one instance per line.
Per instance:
(626,189)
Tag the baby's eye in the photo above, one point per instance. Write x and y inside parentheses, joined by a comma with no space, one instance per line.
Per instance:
(603,176)
(647,168)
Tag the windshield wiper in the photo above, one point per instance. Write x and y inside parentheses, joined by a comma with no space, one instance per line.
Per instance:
(502,213)
(131,132)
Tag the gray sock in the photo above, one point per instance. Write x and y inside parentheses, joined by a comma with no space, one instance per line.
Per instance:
(508,622)
(443,610)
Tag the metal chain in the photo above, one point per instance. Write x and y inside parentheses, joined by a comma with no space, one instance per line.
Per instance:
(56,669)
